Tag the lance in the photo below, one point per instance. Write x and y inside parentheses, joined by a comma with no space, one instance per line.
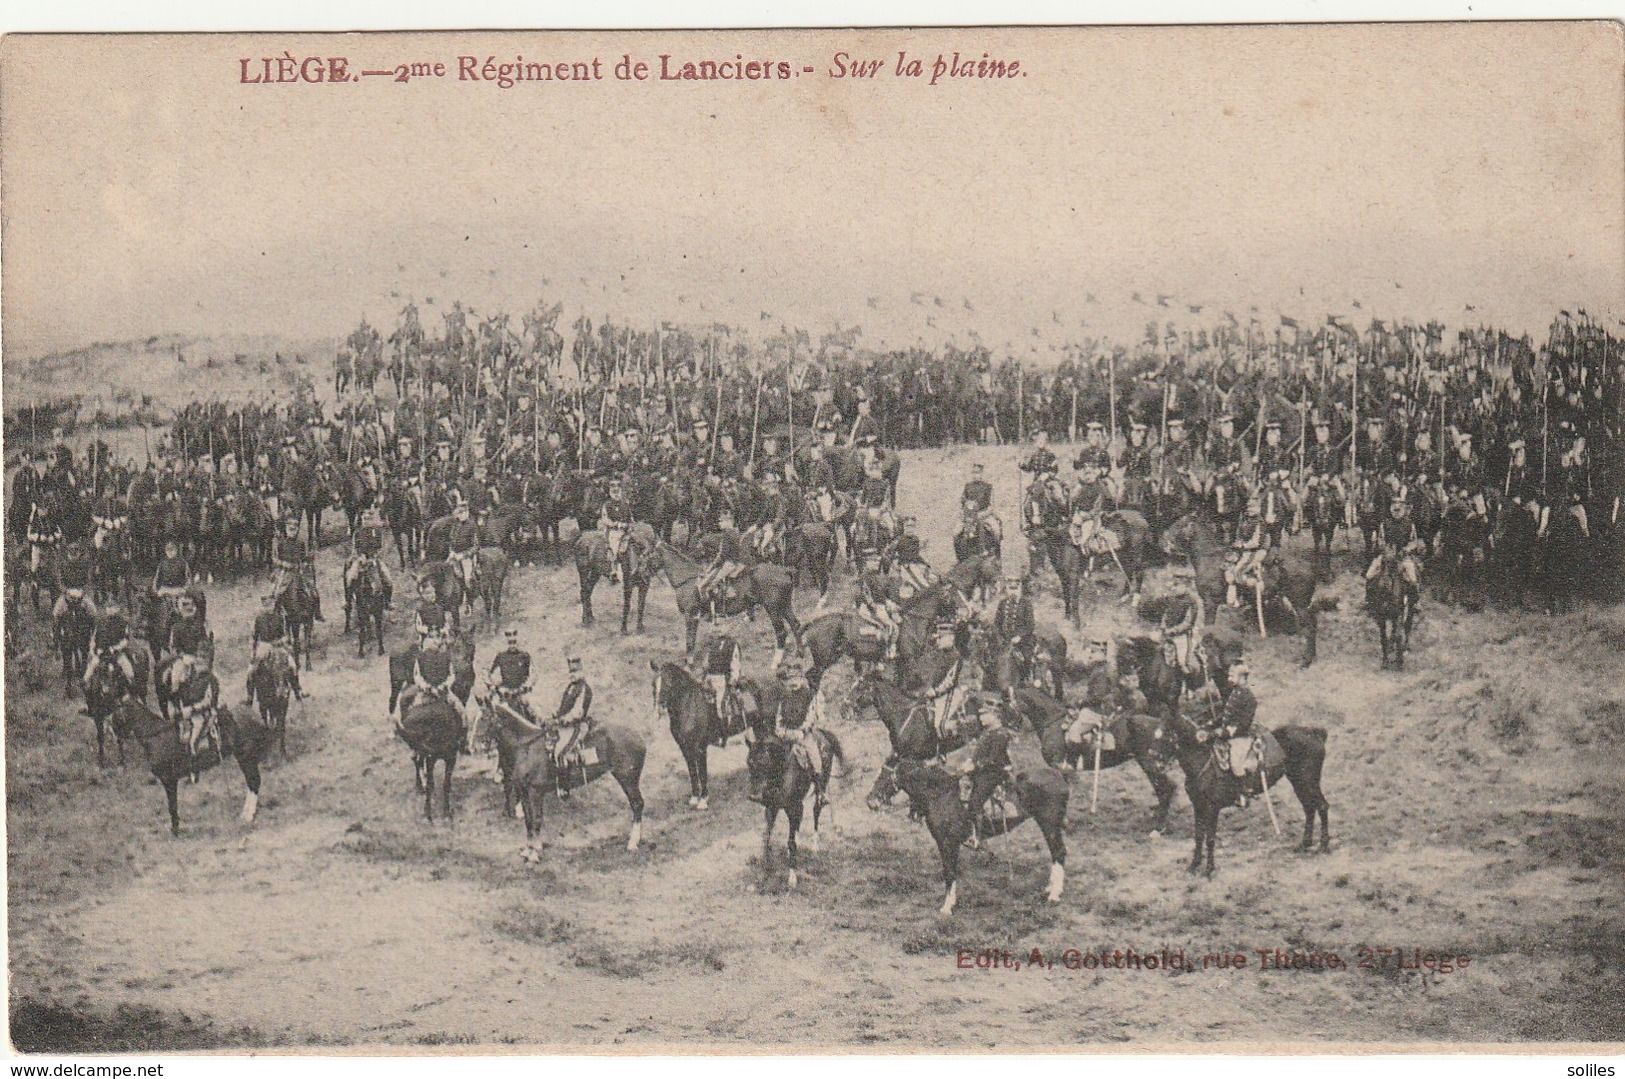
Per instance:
(1161,457)
(755,417)
(1303,429)
(1072,424)
(716,426)
(1441,435)
(1021,403)
(1111,392)
(1354,432)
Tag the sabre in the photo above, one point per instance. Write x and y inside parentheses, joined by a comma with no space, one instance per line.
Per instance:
(1269,802)
(1094,790)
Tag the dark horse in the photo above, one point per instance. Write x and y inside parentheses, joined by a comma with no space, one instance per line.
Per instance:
(433,727)
(270,686)
(839,635)
(1391,602)
(405,512)
(1000,797)
(690,708)
(763,585)
(105,693)
(1325,516)
(71,628)
(170,759)
(525,753)
(1138,738)
(781,781)
(298,612)
(364,597)
(636,566)
(1196,537)
(1212,786)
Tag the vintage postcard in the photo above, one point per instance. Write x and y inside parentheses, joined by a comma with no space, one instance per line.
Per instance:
(883,540)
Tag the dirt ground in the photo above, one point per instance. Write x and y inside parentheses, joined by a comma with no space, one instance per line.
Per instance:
(1476,804)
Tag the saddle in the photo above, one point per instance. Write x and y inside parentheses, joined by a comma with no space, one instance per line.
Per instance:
(1090,726)
(1241,757)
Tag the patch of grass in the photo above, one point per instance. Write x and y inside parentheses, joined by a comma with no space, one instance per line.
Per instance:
(1510,710)
(592,952)
(44,1027)
(439,1038)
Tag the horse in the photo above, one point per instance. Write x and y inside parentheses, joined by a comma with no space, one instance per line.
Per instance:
(169,757)
(491,580)
(1163,682)
(592,557)
(938,792)
(772,588)
(1325,516)
(1391,602)
(106,691)
(814,550)
(433,728)
(1226,501)
(364,596)
(829,638)
(1138,738)
(270,686)
(1369,505)
(531,771)
(1297,590)
(690,709)
(1211,787)
(1196,537)
(405,512)
(780,781)
(298,611)
(110,562)
(72,624)
(1044,521)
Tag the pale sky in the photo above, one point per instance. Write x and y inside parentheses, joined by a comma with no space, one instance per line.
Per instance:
(145,190)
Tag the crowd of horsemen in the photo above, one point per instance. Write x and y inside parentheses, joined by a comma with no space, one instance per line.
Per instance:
(1505,473)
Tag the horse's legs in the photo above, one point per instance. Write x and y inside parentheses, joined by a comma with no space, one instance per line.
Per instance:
(792,816)
(1199,835)
(589,580)
(172,794)
(626,599)
(1162,787)
(251,800)
(643,600)
(1311,638)
(949,835)
(445,787)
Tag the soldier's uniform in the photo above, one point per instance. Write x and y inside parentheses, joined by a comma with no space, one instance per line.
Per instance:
(288,554)
(1224,449)
(978,494)
(1094,452)
(1272,456)
(1040,462)
(721,669)
(791,723)
(575,713)
(509,678)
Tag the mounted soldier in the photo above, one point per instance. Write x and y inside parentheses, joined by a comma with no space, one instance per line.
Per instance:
(1224,449)
(616,522)
(463,544)
(1041,461)
(296,569)
(1094,453)
(726,548)
(570,720)
(1138,464)
(877,605)
(978,535)
(74,577)
(1182,619)
(187,633)
(110,644)
(269,643)
(433,673)
(428,616)
(795,724)
(1397,542)
(722,668)
(1251,543)
(1272,456)
(1241,749)
(978,493)
(365,551)
(913,574)
(946,697)
(508,678)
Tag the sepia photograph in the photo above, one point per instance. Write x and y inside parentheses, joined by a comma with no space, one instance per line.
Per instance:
(916,540)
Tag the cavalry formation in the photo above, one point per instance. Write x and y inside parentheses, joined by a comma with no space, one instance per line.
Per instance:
(667,458)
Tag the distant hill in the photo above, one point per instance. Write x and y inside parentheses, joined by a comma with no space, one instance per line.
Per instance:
(169,370)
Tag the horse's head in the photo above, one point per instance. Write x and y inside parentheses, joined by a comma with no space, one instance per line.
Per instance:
(885,789)
(766,761)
